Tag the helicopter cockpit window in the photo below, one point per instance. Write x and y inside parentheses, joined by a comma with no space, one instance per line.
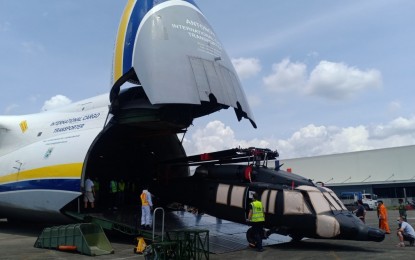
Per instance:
(319,202)
(332,195)
(333,203)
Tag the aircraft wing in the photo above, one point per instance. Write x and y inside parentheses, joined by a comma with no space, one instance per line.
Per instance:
(171,50)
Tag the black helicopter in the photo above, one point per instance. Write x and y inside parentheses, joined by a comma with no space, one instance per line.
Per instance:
(223,183)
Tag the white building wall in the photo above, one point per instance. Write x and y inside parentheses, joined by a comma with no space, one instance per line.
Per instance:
(390,164)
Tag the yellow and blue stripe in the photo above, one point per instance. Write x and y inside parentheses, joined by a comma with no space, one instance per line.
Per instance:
(66,177)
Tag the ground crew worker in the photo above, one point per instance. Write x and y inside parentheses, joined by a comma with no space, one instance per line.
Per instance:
(405,233)
(360,211)
(113,193)
(402,209)
(89,193)
(256,217)
(383,217)
(146,207)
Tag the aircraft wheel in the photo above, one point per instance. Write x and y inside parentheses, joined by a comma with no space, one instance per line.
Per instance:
(250,236)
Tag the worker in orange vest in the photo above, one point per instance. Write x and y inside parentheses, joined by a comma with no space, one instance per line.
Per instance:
(146,207)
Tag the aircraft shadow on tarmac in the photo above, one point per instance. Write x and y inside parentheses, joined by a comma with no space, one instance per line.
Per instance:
(22,228)
(313,245)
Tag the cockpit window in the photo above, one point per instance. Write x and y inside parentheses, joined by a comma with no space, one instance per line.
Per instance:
(333,196)
(319,202)
(322,199)
(333,203)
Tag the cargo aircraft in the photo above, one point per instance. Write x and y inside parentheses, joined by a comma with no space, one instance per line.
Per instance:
(169,68)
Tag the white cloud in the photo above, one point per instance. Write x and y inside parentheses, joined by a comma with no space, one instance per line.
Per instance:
(217,136)
(246,67)
(339,81)
(286,76)
(214,136)
(310,140)
(55,102)
(313,141)
(328,79)
(398,127)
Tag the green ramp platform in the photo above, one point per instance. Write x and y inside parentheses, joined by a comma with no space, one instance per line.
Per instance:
(85,238)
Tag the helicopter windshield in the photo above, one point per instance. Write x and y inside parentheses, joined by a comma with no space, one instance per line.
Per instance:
(318,200)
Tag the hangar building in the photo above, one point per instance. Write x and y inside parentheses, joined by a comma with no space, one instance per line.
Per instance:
(388,173)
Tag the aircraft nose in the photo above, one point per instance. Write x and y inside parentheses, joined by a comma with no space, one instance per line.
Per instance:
(354,229)
(365,233)
(375,234)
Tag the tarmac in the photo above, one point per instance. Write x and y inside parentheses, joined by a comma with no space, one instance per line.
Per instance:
(17,240)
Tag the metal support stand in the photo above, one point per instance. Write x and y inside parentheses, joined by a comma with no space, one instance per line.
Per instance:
(162,223)
(193,243)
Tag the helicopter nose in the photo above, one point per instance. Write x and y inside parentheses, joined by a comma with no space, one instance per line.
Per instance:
(354,229)
(365,233)
(374,234)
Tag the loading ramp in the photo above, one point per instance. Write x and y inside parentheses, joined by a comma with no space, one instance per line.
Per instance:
(85,238)
(129,227)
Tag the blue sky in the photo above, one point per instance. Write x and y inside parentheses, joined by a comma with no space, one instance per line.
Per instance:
(322,77)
